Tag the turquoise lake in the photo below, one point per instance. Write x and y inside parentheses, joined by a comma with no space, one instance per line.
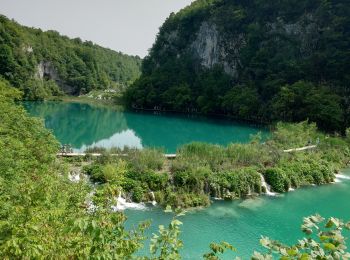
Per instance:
(83,126)
(241,223)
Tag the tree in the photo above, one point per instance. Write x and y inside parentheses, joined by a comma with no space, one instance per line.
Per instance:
(303,100)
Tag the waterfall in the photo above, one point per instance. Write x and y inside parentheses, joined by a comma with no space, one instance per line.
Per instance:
(249,191)
(91,207)
(122,204)
(74,176)
(266,186)
(217,193)
(340,177)
(154,202)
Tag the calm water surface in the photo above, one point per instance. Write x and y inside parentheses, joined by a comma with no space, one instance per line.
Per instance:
(83,125)
(243,222)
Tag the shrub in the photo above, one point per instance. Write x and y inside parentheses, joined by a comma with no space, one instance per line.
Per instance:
(277,179)
(95,172)
(146,159)
(137,193)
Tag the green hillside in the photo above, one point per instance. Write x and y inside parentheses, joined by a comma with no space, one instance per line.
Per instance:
(46,63)
(255,60)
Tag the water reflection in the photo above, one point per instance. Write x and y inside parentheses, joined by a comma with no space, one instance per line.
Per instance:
(122,139)
(83,125)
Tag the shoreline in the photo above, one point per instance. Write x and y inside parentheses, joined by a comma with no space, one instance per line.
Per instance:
(120,107)
(89,101)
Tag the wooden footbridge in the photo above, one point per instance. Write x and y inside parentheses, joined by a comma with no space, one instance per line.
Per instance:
(168,156)
(309,147)
(63,154)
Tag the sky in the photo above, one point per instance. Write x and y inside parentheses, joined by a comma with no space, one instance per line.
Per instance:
(129,26)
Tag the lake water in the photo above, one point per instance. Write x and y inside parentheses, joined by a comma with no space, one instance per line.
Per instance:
(240,222)
(83,126)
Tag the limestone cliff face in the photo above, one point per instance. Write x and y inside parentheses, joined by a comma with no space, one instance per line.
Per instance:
(211,49)
(46,71)
(212,46)
(206,46)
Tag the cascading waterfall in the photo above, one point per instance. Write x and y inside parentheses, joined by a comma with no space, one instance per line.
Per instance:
(154,202)
(91,207)
(218,195)
(249,191)
(122,204)
(340,177)
(74,176)
(266,186)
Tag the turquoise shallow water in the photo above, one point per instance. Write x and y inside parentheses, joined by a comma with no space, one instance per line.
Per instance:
(83,125)
(243,222)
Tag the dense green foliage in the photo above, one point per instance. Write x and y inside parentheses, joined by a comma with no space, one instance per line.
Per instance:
(42,213)
(259,60)
(45,63)
(203,171)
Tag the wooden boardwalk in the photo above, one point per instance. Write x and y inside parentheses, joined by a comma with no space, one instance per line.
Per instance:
(310,147)
(168,156)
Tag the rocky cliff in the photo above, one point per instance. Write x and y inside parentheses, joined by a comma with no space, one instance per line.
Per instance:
(255,60)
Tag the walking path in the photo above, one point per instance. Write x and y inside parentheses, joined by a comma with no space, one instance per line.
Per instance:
(173,155)
(300,149)
(168,156)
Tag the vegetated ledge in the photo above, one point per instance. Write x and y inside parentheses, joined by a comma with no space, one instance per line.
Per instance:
(202,171)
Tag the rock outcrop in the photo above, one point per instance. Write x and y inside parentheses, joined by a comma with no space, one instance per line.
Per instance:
(46,71)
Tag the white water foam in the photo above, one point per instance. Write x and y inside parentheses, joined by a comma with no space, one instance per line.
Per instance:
(74,177)
(343,177)
(340,177)
(266,186)
(91,207)
(154,202)
(122,204)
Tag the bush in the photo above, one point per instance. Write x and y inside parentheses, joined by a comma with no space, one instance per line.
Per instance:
(277,179)
(95,172)
(137,193)
(146,159)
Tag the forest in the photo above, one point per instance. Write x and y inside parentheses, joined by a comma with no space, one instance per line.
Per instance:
(262,61)
(45,64)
